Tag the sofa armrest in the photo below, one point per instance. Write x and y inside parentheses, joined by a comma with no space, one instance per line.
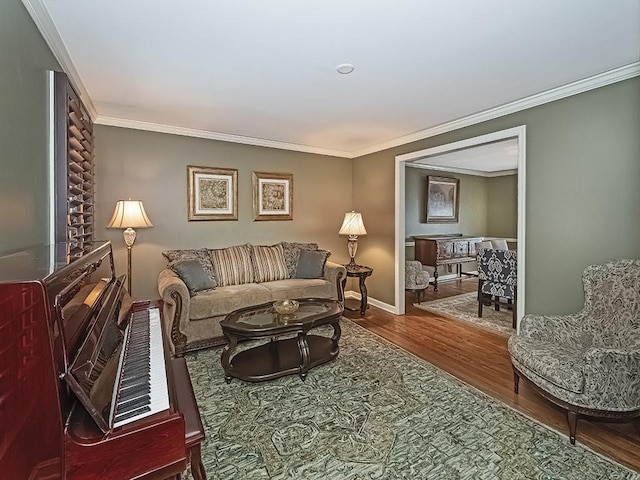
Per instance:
(335,273)
(612,375)
(556,328)
(175,296)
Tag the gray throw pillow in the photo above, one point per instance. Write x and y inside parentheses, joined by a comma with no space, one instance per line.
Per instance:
(192,273)
(311,263)
(201,254)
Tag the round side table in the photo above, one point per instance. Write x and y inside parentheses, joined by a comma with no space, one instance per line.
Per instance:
(361,272)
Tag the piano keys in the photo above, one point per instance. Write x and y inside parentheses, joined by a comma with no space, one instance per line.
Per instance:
(142,375)
(87,388)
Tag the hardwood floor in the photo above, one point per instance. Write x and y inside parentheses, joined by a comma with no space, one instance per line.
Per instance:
(480,358)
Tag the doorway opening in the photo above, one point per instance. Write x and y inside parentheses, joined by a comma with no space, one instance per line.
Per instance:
(432,158)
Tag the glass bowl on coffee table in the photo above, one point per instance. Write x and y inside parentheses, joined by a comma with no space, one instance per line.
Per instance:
(297,353)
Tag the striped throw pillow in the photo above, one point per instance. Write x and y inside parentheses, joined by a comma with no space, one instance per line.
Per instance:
(232,265)
(268,263)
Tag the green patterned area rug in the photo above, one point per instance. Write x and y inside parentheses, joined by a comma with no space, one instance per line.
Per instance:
(465,307)
(376,412)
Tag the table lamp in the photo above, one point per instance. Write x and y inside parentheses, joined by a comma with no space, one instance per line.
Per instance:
(129,214)
(352,226)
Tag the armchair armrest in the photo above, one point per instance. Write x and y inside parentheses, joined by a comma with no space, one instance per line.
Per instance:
(335,273)
(557,328)
(175,296)
(612,376)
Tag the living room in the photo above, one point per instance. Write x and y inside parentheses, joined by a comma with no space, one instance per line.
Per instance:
(582,175)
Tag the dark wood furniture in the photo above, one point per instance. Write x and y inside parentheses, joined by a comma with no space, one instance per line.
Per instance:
(450,249)
(360,272)
(55,310)
(284,356)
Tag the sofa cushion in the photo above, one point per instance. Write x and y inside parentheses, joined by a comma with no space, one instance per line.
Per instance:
(202,254)
(224,300)
(558,363)
(300,288)
(292,253)
(268,263)
(311,263)
(232,265)
(193,274)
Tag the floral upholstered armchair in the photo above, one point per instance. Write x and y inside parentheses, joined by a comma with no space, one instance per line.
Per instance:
(415,278)
(588,362)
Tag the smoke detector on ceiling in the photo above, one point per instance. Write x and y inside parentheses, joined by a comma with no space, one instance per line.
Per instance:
(345,68)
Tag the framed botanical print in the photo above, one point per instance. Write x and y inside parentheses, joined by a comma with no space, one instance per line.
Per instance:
(272,196)
(443,195)
(212,193)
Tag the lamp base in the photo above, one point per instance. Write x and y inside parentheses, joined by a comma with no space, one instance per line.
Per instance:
(129,237)
(129,269)
(352,247)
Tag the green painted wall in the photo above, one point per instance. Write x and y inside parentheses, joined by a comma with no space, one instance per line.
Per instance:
(473,205)
(582,192)
(24,59)
(582,175)
(502,206)
(152,167)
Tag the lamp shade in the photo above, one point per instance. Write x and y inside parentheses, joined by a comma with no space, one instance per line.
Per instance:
(129,214)
(352,224)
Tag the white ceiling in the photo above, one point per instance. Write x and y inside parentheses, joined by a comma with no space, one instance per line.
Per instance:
(488,159)
(265,69)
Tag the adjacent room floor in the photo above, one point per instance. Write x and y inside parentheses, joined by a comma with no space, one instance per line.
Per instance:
(480,358)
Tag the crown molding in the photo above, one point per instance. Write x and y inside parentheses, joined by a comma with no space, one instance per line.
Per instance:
(224,137)
(600,80)
(47,27)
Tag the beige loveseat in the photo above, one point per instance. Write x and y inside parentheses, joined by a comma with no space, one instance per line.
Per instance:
(238,277)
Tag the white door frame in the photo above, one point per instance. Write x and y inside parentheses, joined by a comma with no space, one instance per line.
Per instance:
(518,133)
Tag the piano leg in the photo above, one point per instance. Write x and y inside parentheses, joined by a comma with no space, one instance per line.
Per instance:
(197,468)
(194,431)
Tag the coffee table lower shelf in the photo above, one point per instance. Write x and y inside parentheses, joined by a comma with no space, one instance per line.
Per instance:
(279,358)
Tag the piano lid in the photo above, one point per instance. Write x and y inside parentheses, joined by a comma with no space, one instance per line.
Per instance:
(92,372)
(38,262)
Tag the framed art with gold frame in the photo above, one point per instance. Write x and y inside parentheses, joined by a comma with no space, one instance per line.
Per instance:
(272,196)
(212,193)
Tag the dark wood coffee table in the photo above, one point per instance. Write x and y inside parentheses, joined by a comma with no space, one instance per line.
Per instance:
(280,356)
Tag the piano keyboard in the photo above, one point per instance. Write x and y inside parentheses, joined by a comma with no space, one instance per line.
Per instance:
(142,388)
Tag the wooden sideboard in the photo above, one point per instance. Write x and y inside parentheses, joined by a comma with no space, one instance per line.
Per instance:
(437,250)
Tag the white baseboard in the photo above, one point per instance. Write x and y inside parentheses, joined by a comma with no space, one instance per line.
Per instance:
(371,301)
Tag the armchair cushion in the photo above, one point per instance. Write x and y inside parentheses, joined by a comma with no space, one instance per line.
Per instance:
(557,363)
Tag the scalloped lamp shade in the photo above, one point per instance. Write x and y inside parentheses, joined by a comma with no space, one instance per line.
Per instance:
(129,214)
(353,226)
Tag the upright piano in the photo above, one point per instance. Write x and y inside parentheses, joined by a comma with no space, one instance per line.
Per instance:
(88,389)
